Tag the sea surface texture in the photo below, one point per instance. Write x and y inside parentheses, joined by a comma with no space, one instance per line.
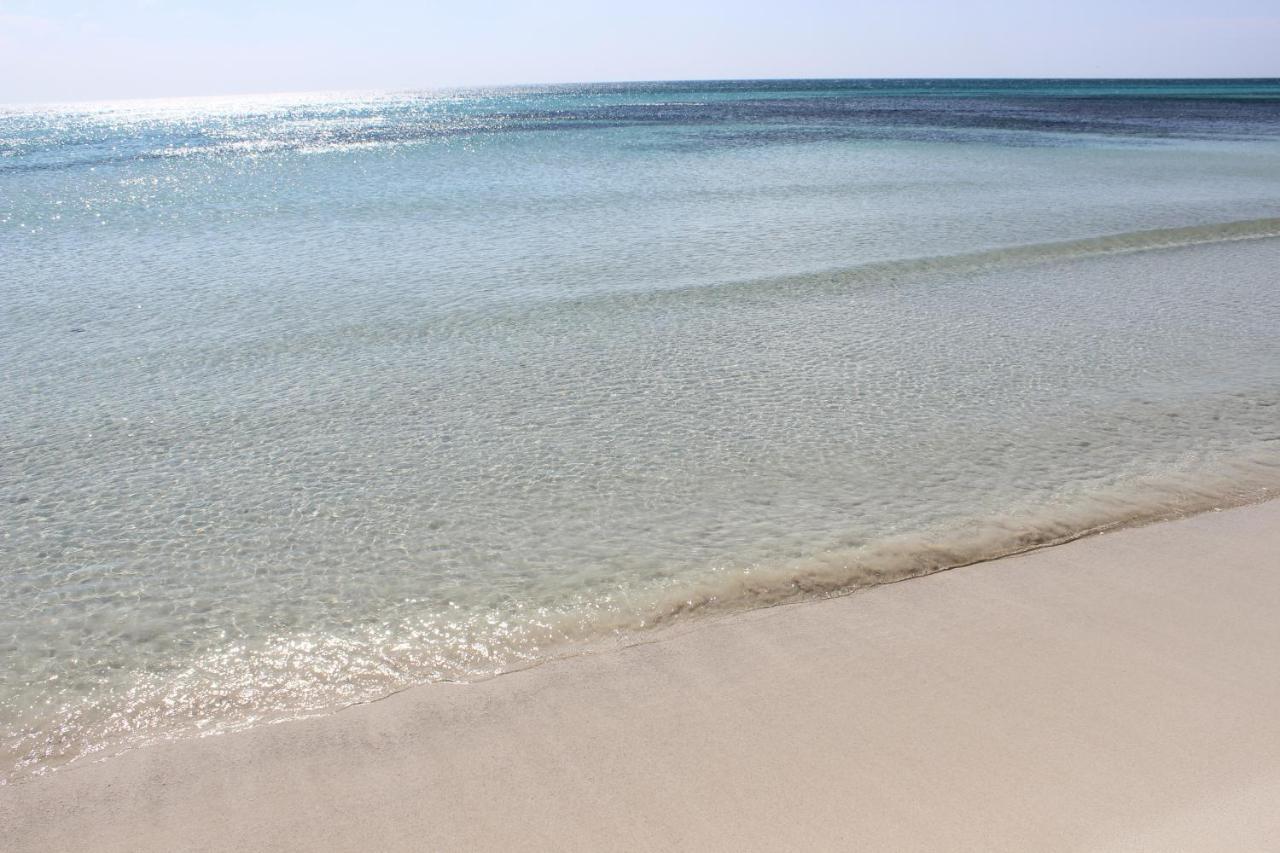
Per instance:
(307,399)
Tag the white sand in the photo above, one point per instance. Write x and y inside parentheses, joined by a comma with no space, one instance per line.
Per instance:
(1117,693)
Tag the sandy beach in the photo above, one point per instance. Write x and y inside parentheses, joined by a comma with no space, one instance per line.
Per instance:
(1115,693)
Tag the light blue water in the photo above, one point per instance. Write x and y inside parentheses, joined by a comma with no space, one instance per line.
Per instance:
(306,399)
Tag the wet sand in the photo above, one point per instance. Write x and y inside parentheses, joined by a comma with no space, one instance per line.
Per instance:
(1121,692)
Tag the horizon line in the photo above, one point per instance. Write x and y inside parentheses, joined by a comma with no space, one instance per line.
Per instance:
(471,87)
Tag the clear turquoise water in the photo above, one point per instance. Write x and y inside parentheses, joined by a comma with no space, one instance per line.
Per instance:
(307,399)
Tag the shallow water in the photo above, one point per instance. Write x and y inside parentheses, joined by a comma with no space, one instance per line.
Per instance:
(309,399)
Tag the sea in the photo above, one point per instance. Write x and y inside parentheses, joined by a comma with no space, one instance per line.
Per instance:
(309,399)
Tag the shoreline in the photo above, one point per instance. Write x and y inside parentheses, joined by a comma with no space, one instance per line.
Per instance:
(1243,480)
(1113,692)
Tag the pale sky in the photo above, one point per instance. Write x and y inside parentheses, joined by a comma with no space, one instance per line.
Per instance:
(94,49)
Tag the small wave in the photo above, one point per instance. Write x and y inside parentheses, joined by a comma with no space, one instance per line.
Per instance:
(1034,253)
(904,270)
(968,541)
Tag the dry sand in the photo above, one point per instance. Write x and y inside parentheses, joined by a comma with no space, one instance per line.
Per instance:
(1118,693)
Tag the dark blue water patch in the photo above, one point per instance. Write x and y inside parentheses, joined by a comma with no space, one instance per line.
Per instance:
(999,112)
